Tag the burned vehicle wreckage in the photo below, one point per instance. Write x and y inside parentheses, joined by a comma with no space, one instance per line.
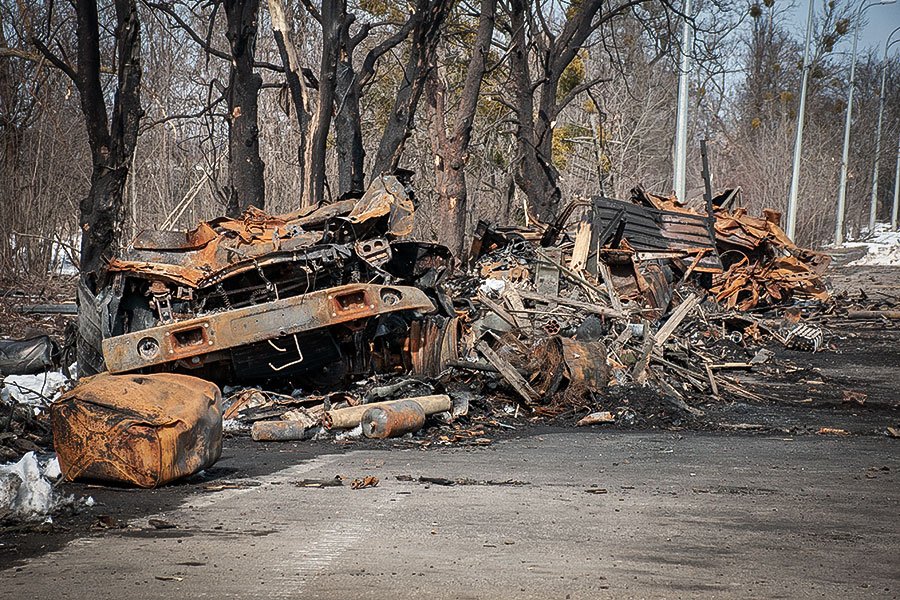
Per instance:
(316,295)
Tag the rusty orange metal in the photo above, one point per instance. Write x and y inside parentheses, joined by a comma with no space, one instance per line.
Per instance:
(225,247)
(142,430)
(225,330)
(393,420)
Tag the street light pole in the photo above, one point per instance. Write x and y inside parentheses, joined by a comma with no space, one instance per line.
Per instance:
(681,116)
(845,155)
(798,140)
(873,206)
(896,189)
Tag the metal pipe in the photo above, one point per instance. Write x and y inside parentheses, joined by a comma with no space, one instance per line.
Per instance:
(896,189)
(873,206)
(845,155)
(350,417)
(798,139)
(681,116)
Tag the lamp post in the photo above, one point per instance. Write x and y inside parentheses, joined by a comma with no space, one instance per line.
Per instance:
(681,115)
(798,140)
(842,191)
(896,189)
(873,206)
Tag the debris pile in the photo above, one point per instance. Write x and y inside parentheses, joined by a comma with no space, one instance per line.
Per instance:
(24,404)
(635,315)
(326,323)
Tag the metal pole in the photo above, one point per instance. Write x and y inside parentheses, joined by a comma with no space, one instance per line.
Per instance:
(845,155)
(896,189)
(798,140)
(681,116)
(873,206)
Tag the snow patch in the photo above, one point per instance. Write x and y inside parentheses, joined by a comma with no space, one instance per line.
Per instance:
(34,390)
(28,490)
(882,248)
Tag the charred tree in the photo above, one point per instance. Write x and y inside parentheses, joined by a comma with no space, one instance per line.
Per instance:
(282,21)
(246,186)
(350,88)
(426,32)
(347,119)
(112,140)
(451,145)
(536,102)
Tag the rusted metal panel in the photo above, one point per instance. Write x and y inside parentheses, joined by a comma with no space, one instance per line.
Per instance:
(223,247)
(650,229)
(143,430)
(257,323)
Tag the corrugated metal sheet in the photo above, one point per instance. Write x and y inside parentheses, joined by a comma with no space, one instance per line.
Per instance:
(653,230)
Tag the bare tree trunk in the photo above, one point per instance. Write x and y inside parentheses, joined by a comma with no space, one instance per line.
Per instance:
(282,27)
(102,210)
(333,16)
(452,152)
(246,186)
(348,122)
(429,17)
(349,90)
(535,173)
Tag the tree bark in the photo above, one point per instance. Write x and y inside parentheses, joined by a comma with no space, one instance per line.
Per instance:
(429,18)
(452,152)
(535,174)
(282,28)
(349,89)
(348,122)
(246,185)
(102,211)
(333,16)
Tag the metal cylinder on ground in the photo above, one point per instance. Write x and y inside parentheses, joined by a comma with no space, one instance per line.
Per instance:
(281,431)
(348,418)
(393,420)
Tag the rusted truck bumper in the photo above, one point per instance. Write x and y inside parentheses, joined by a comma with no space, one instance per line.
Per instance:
(191,340)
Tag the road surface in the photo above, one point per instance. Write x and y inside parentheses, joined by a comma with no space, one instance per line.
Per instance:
(604,514)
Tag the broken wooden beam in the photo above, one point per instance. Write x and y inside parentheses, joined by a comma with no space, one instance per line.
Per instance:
(596,309)
(873,314)
(497,309)
(509,373)
(678,315)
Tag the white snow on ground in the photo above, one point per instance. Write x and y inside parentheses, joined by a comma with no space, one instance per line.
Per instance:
(883,248)
(28,490)
(35,390)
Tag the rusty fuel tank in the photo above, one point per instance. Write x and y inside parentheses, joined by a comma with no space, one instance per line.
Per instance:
(393,420)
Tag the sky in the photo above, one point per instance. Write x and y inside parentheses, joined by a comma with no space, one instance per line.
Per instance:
(879,22)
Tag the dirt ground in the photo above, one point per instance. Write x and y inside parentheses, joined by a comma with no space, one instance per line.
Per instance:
(808,396)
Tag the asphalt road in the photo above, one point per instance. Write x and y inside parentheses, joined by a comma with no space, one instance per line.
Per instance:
(698,515)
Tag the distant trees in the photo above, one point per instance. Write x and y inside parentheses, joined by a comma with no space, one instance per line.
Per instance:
(498,105)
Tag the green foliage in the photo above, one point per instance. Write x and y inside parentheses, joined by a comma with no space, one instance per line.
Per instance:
(563,143)
(573,75)
(383,9)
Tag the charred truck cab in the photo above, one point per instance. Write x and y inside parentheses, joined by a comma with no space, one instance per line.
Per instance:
(314,296)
